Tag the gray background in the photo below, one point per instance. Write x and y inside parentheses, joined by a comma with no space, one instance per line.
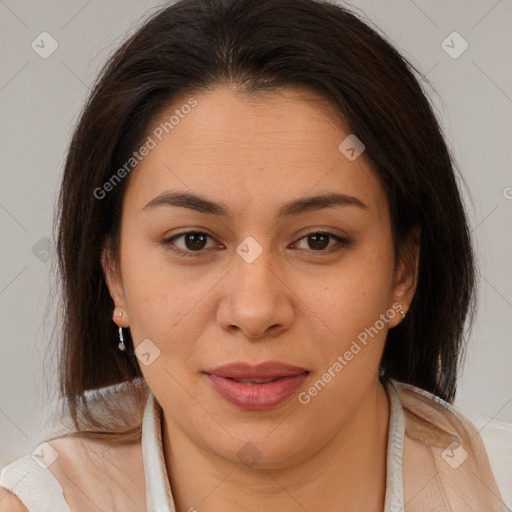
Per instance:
(40,100)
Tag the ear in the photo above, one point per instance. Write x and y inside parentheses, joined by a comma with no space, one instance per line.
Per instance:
(405,277)
(113,279)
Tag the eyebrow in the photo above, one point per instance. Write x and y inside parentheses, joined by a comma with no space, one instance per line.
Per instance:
(292,208)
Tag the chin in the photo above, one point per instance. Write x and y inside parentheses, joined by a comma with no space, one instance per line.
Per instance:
(261,447)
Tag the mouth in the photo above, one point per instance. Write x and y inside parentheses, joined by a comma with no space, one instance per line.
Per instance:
(252,382)
(256,388)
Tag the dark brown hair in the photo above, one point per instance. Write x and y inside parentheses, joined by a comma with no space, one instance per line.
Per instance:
(258,46)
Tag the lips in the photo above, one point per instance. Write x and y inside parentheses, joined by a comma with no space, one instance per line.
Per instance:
(259,387)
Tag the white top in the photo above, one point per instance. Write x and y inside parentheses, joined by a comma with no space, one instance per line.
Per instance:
(39,490)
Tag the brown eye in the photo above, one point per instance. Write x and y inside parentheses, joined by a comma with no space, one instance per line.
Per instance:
(195,241)
(191,241)
(321,242)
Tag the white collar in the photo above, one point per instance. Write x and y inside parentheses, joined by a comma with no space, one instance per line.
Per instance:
(158,491)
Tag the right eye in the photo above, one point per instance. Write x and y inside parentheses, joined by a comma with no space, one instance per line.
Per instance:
(191,242)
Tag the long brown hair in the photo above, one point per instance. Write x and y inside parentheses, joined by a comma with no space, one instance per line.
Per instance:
(257,46)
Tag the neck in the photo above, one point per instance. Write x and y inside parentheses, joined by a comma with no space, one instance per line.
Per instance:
(348,473)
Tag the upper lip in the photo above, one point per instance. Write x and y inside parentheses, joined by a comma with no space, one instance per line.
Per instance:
(265,370)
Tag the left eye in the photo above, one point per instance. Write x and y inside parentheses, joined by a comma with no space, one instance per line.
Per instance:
(318,242)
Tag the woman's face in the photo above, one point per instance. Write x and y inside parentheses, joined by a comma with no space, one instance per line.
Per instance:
(269,275)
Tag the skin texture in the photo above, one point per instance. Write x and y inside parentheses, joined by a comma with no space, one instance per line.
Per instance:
(296,303)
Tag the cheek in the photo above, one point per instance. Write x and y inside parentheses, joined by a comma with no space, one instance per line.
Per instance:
(354,294)
(345,303)
(159,296)
(357,311)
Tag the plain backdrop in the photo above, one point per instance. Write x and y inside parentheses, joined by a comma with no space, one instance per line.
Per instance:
(39,103)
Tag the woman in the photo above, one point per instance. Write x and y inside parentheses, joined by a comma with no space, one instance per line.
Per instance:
(267,271)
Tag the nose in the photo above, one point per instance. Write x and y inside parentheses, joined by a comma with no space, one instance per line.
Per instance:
(257,302)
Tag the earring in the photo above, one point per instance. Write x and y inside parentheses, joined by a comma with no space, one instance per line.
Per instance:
(121,346)
(402,313)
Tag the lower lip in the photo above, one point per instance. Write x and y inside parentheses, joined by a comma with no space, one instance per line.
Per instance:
(257,397)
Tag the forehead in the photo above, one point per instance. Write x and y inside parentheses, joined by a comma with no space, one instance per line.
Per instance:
(251,149)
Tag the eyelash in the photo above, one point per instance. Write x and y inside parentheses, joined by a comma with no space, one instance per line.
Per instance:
(168,243)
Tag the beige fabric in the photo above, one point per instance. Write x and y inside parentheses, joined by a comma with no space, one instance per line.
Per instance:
(445,464)
(497,437)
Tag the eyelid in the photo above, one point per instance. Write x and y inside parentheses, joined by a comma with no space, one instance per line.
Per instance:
(342,241)
(169,243)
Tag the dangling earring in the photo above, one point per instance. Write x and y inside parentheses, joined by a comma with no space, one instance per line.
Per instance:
(121,346)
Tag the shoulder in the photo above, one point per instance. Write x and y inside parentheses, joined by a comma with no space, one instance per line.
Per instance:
(487,440)
(27,484)
(497,439)
(69,467)
(91,467)
(9,502)
(64,473)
